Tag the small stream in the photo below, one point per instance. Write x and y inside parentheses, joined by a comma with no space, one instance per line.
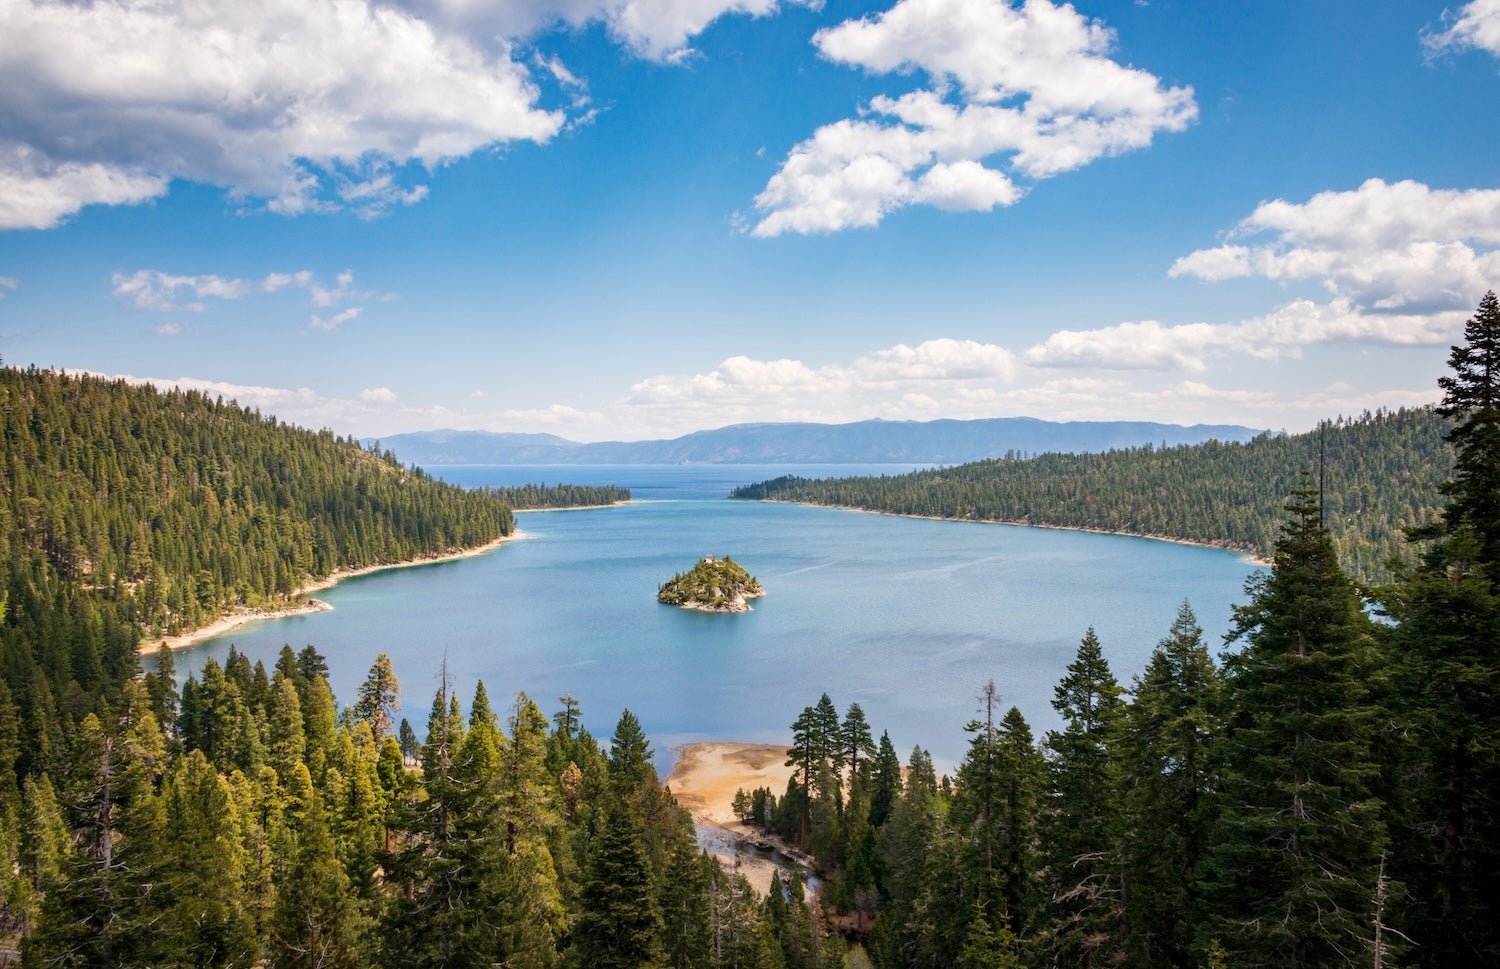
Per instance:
(717,841)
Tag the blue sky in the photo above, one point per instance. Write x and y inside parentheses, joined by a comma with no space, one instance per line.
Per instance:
(623,219)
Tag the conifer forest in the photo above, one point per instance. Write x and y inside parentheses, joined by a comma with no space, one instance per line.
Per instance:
(1320,790)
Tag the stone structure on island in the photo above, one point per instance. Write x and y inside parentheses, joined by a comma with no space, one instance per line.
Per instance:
(713,585)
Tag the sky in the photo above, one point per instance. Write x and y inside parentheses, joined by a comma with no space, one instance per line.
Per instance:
(633,219)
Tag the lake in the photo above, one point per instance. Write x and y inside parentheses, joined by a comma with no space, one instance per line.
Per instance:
(908,617)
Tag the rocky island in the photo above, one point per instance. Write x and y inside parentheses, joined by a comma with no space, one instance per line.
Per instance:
(713,585)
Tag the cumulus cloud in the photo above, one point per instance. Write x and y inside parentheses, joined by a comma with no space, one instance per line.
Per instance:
(1146,345)
(378,395)
(1382,246)
(1475,26)
(306,104)
(943,376)
(1402,263)
(1031,87)
(1280,334)
(659,30)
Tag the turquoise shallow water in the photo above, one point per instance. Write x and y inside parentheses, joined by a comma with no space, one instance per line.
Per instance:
(908,617)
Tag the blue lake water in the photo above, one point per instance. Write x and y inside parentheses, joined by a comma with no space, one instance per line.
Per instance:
(908,617)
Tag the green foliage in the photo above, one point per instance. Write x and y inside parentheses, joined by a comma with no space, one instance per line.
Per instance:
(1443,692)
(165,508)
(714,585)
(1291,876)
(1383,473)
(530,497)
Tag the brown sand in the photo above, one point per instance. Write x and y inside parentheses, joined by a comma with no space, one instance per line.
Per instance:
(704,781)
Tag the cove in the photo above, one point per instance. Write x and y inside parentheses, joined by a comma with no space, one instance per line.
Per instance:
(907,617)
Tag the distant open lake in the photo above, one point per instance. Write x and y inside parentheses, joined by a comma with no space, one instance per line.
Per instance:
(908,617)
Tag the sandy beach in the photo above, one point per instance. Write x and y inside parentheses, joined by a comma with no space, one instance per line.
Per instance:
(245,616)
(704,781)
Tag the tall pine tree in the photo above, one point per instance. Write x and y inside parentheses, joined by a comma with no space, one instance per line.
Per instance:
(1294,873)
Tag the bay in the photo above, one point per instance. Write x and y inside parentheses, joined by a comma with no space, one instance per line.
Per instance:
(908,617)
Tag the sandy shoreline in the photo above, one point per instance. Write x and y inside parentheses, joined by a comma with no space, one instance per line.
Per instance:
(245,616)
(704,780)
(1250,555)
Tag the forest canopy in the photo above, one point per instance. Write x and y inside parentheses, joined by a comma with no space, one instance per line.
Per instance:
(1381,473)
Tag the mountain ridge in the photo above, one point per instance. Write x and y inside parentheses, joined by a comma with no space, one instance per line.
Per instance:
(876,441)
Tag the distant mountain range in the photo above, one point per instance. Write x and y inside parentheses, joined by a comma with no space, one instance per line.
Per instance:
(862,442)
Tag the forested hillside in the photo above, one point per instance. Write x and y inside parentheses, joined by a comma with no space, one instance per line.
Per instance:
(1325,796)
(163,509)
(1382,474)
(536,496)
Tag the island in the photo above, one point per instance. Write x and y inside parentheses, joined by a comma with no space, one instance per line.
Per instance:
(713,585)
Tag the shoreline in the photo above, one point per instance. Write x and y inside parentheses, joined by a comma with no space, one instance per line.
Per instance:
(704,779)
(245,615)
(1253,557)
(612,504)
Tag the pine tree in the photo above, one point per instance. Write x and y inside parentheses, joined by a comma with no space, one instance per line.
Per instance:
(1082,831)
(1293,874)
(317,922)
(886,787)
(855,738)
(1167,756)
(630,754)
(378,701)
(1444,694)
(618,922)
(1471,399)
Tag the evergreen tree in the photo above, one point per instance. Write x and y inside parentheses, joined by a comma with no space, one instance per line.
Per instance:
(1471,399)
(1293,873)
(618,924)
(1167,755)
(886,785)
(1444,692)
(316,922)
(1083,831)
(378,701)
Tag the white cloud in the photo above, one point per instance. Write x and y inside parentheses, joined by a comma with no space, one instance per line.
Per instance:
(1280,334)
(1147,345)
(1381,247)
(378,395)
(335,321)
(1475,26)
(942,360)
(305,103)
(157,290)
(8,282)
(170,329)
(1403,265)
(38,191)
(659,30)
(1034,85)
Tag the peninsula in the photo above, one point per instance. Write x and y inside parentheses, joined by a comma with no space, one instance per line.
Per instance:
(713,585)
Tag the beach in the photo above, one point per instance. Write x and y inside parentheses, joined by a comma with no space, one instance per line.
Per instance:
(244,616)
(704,781)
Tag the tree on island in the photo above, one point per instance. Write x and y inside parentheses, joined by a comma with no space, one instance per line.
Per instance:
(713,585)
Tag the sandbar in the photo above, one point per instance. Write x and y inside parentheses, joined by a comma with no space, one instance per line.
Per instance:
(704,781)
(245,615)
